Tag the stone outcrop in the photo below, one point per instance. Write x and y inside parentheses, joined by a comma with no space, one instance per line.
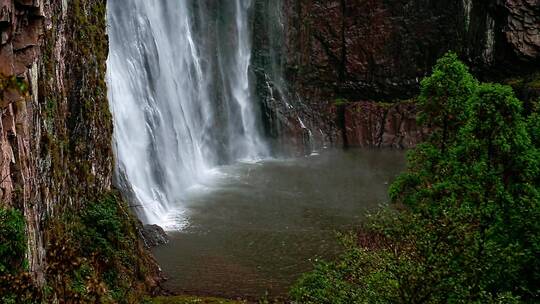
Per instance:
(55,127)
(154,236)
(523,28)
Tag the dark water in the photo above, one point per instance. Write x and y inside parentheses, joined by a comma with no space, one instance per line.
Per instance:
(256,229)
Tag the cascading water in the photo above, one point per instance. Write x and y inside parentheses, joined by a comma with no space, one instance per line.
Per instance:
(180,95)
(284,109)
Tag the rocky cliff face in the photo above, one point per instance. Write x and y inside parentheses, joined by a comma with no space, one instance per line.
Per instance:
(55,129)
(379,50)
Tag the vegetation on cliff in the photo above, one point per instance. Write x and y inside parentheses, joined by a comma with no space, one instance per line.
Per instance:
(465,223)
(93,256)
(12,241)
(89,256)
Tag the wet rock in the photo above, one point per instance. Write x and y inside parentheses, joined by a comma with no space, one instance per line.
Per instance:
(372,124)
(153,236)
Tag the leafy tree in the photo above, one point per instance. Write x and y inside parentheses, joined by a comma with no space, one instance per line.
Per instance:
(443,97)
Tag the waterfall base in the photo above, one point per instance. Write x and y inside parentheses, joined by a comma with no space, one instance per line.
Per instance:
(256,227)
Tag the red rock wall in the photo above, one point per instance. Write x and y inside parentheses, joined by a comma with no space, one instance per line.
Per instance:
(380,50)
(22,25)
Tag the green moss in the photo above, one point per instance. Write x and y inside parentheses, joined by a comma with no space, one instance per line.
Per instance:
(535,83)
(340,102)
(76,109)
(102,226)
(192,300)
(80,276)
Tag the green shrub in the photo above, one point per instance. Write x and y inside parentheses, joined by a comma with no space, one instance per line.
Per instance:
(12,241)
(102,226)
(358,276)
(16,284)
(92,253)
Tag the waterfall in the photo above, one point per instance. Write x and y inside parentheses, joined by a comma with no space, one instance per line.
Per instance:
(180,95)
(290,122)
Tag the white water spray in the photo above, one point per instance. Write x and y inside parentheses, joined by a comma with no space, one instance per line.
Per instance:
(178,78)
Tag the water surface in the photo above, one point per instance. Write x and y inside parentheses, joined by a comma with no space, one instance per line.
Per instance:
(255,228)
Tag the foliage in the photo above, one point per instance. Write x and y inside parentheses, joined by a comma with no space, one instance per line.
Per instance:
(102,227)
(12,241)
(91,256)
(533,125)
(468,226)
(443,97)
(18,289)
(341,282)
(15,283)
(531,81)
(91,253)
